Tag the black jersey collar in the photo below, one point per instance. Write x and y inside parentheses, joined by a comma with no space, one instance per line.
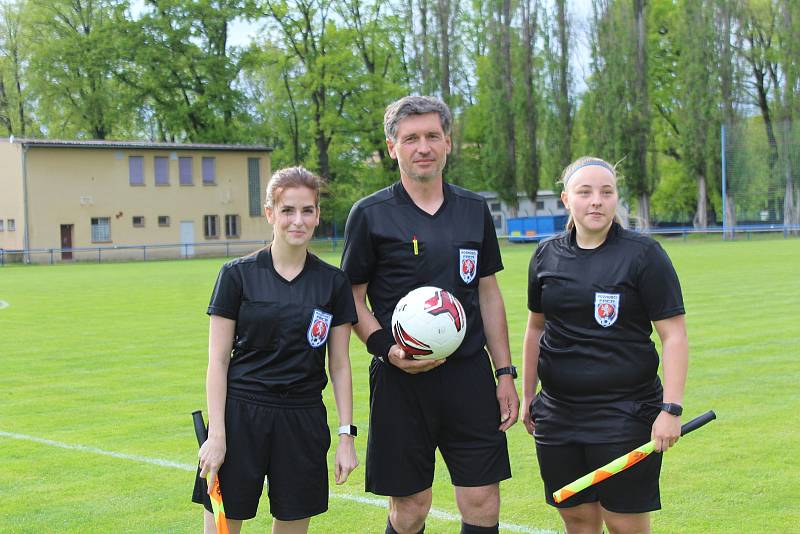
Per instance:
(613,232)
(401,193)
(265,261)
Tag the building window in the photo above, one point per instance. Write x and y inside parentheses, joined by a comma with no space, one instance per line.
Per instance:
(11,224)
(209,171)
(210,226)
(254,186)
(161,167)
(231,226)
(138,221)
(163,220)
(498,221)
(185,170)
(101,229)
(494,206)
(560,204)
(2,228)
(136,170)
(540,204)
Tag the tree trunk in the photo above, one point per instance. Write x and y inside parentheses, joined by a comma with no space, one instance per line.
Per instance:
(443,15)
(644,211)
(640,124)
(531,168)
(724,20)
(564,108)
(508,86)
(426,54)
(701,213)
(791,210)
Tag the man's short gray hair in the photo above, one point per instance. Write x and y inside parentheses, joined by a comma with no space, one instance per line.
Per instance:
(415,105)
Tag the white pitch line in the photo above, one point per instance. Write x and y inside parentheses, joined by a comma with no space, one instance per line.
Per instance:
(435,513)
(4,304)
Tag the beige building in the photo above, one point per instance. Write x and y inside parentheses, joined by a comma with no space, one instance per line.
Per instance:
(75,200)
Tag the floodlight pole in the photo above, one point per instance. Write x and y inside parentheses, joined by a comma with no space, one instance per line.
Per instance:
(724,188)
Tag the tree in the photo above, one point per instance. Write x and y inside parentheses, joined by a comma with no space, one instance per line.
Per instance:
(640,186)
(698,96)
(770,32)
(72,62)
(13,115)
(322,50)
(617,115)
(529,151)
(179,63)
(560,113)
(500,148)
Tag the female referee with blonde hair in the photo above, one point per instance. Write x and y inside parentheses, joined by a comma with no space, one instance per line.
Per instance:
(595,293)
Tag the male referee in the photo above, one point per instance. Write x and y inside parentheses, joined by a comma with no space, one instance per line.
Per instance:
(418,232)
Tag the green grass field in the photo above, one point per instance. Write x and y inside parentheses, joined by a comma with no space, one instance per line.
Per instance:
(103,364)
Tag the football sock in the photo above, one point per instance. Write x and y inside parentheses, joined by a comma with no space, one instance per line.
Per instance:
(475,529)
(390,529)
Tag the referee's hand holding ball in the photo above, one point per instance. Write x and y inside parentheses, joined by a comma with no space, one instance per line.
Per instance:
(399,358)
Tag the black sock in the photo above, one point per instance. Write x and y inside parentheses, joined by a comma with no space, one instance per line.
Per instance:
(475,529)
(390,529)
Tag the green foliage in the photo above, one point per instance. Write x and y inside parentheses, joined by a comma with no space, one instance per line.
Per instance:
(179,63)
(73,57)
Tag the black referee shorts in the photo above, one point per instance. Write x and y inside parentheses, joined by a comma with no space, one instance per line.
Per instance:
(453,407)
(286,444)
(634,490)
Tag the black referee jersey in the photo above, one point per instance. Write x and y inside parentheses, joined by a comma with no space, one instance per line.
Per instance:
(395,246)
(598,306)
(282,326)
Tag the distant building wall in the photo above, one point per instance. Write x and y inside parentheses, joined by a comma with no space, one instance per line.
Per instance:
(12,214)
(93,194)
(547,203)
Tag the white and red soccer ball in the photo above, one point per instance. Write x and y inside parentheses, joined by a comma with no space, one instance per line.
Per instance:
(429,323)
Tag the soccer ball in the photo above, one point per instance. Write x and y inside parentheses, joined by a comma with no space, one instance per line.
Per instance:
(429,323)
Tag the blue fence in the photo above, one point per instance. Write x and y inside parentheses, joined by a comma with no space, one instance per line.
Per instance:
(332,244)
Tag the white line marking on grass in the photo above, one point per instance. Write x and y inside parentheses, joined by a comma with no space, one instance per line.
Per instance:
(95,450)
(4,304)
(435,513)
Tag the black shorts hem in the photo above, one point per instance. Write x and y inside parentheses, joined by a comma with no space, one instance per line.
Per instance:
(494,480)
(206,504)
(653,508)
(298,516)
(394,493)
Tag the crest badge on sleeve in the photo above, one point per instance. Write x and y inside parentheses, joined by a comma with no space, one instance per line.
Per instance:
(467,264)
(606,308)
(318,329)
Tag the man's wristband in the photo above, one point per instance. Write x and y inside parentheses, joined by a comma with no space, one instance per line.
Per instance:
(379,342)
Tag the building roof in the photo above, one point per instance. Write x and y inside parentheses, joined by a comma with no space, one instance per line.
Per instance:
(139,145)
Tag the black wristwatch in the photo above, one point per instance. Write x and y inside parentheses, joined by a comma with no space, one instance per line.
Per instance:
(348,429)
(672,408)
(510,370)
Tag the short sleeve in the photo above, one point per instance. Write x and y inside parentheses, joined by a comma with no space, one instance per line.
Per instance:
(344,307)
(534,284)
(358,256)
(227,295)
(659,287)
(490,261)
